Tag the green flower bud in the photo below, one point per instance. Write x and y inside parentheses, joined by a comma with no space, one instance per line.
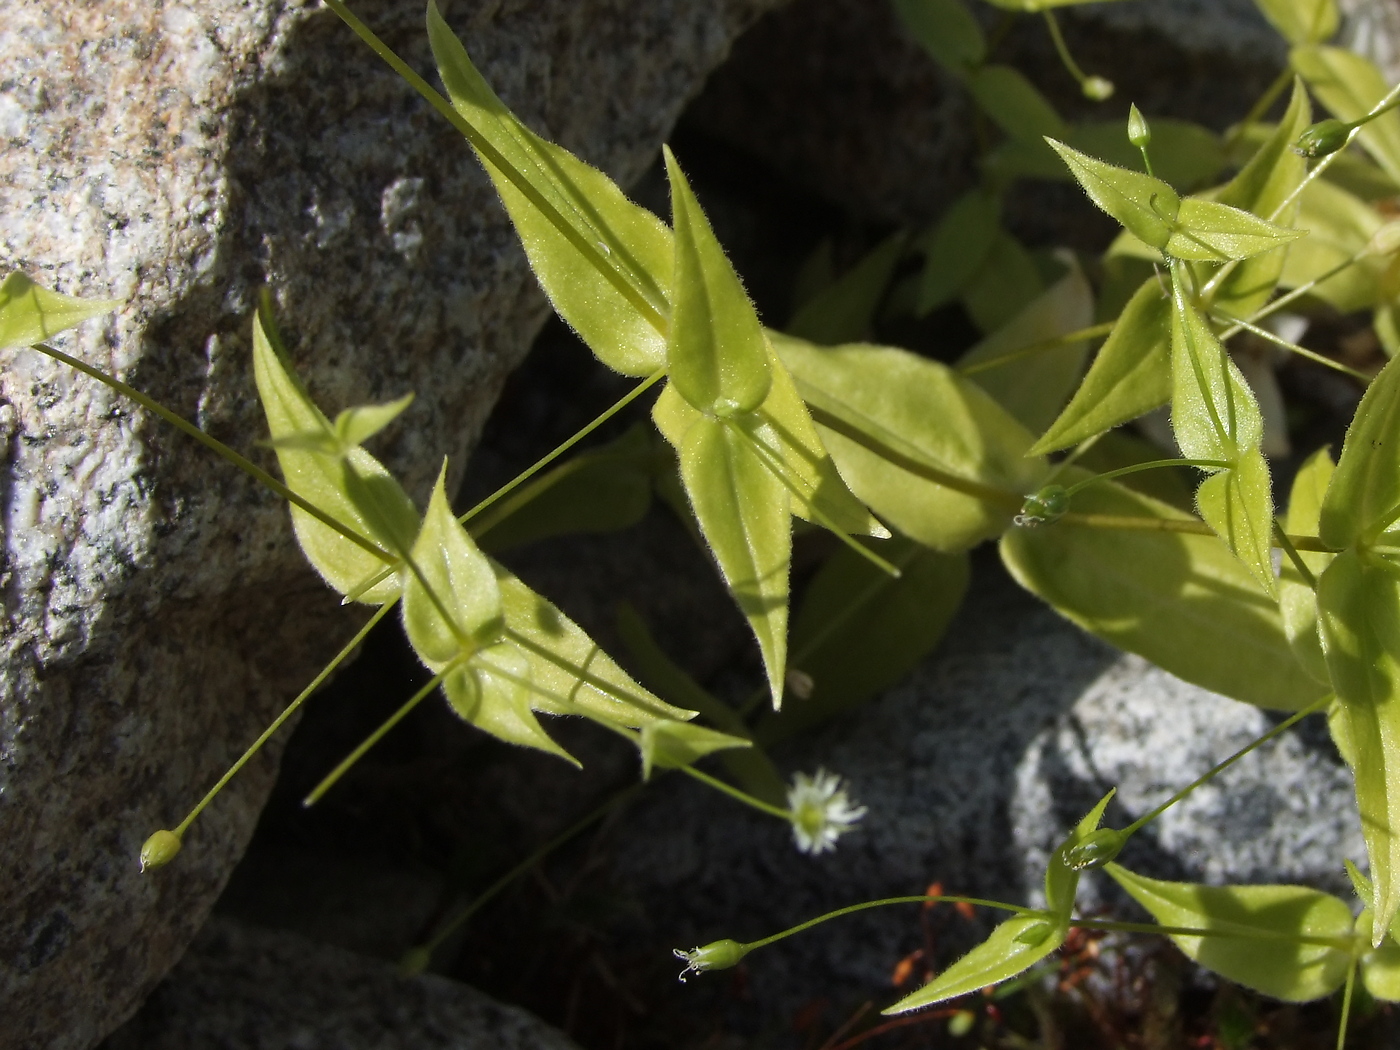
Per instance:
(1097,849)
(415,961)
(159,850)
(718,955)
(1044,507)
(1139,131)
(1323,138)
(1099,89)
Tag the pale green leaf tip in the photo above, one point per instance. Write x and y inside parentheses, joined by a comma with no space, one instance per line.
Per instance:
(159,850)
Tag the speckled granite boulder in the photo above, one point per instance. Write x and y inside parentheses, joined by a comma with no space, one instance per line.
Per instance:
(178,155)
(973,769)
(254,989)
(836,95)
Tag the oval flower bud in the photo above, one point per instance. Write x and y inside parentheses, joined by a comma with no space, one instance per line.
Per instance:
(1044,507)
(159,850)
(1324,137)
(1139,131)
(717,955)
(1098,848)
(1099,89)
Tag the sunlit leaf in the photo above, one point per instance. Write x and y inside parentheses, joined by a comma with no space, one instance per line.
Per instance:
(604,262)
(1363,498)
(1255,930)
(846,308)
(1013,947)
(1062,880)
(451,603)
(1297,600)
(492,692)
(957,248)
(1182,601)
(1350,85)
(1237,504)
(1380,968)
(1146,206)
(744,512)
(925,415)
(1034,387)
(947,30)
(321,480)
(30,313)
(1131,374)
(717,351)
(672,745)
(1006,282)
(565,663)
(1208,231)
(1261,186)
(602,490)
(355,426)
(1015,104)
(1302,21)
(1359,610)
(859,631)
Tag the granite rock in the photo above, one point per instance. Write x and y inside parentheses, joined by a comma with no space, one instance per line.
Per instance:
(178,156)
(973,770)
(255,989)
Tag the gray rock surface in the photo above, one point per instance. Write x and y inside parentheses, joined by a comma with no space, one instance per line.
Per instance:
(835,95)
(253,989)
(156,614)
(973,770)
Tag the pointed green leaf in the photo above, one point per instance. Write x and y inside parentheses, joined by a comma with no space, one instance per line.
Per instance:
(1183,154)
(1339,225)
(451,602)
(1302,21)
(858,631)
(1034,387)
(745,515)
(1013,947)
(926,416)
(1350,85)
(1061,880)
(1182,601)
(845,310)
(603,490)
(1297,600)
(1262,185)
(492,693)
(751,767)
(947,30)
(1359,609)
(1363,498)
(321,479)
(1006,282)
(1015,104)
(1208,231)
(1254,929)
(355,426)
(1146,206)
(1237,504)
(30,313)
(604,262)
(570,671)
(673,745)
(717,351)
(1130,376)
(957,248)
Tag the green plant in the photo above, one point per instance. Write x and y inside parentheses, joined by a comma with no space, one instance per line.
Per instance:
(911,462)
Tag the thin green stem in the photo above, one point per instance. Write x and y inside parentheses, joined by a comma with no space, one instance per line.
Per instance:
(398,716)
(1297,559)
(1189,526)
(1346,1006)
(218,448)
(1262,105)
(650,312)
(1136,468)
(461,918)
(1297,293)
(1216,770)
(582,673)
(1301,351)
(851,909)
(973,368)
(1062,49)
(736,793)
(1240,932)
(281,719)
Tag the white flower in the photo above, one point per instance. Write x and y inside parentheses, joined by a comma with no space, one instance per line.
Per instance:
(820,811)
